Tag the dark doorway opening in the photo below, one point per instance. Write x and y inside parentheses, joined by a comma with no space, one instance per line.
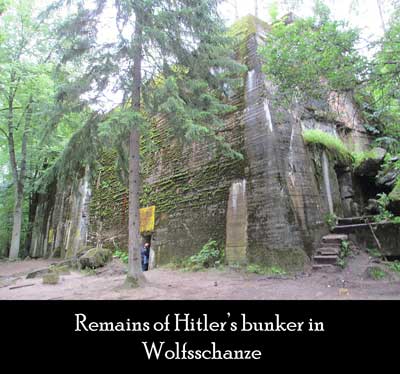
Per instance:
(146,239)
(368,188)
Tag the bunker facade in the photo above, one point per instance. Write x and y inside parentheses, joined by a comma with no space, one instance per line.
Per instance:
(269,207)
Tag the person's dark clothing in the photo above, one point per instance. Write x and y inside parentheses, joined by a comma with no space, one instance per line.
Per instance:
(145,252)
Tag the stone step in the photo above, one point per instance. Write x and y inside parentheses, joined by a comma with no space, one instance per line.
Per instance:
(329,246)
(334,238)
(328,251)
(324,260)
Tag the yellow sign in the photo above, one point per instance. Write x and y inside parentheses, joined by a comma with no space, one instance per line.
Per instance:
(147,219)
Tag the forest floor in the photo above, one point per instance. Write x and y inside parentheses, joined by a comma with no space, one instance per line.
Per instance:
(163,283)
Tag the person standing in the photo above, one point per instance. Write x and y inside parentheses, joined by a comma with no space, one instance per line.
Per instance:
(145,253)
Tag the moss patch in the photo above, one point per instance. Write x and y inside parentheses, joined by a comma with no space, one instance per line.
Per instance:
(330,143)
(62,269)
(51,278)
(95,258)
(360,157)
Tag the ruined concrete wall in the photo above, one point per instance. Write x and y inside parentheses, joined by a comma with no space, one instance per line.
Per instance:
(269,208)
(189,185)
(388,235)
(60,227)
(284,206)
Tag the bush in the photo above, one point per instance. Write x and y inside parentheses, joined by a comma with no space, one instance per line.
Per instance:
(122,255)
(395,266)
(331,220)
(345,252)
(209,256)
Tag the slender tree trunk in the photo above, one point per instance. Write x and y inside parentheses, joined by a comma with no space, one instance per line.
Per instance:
(379,2)
(256,8)
(17,215)
(17,224)
(33,202)
(135,275)
(19,178)
(235,5)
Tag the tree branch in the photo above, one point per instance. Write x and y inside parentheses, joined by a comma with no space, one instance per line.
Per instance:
(4,132)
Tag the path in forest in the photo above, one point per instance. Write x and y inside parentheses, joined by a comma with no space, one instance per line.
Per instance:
(163,283)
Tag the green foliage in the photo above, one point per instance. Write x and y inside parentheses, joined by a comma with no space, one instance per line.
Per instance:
(395,266)
(373,252)
(273,11)
(330,143)
(314,56)
(384,85)
(32,126)
(377,273)
(360,157)
(264,270)
(343,254)
(384,214)
(243,28)
(122,255)
(189,70)
(331,220)
(210,256)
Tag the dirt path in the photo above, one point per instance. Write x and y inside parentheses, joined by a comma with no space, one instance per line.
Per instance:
(350,283)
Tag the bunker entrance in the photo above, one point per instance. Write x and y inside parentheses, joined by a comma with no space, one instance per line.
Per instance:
(147,238)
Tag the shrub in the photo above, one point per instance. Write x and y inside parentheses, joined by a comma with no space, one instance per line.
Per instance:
(209,256)
(331,220)
(343,254)
(122,255)
(395,266)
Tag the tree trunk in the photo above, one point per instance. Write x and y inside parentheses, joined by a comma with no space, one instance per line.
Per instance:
(235,4)
(135,275)
(33,203)
(17,223)
(19,178)
(256,8)
(379,2)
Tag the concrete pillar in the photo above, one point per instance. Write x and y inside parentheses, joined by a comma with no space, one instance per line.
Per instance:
(327,182)
(236,224)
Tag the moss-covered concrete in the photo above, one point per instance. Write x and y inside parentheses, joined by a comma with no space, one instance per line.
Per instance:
(290,260)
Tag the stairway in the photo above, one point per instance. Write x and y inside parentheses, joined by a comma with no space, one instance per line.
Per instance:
(327,254)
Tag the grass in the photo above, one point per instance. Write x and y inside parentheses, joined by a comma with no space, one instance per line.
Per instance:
(373,252)
(377,274)
(395,266)
(331,143)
